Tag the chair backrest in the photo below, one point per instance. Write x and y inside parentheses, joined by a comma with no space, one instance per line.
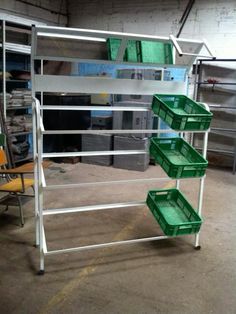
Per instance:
(3,157)
(2,139)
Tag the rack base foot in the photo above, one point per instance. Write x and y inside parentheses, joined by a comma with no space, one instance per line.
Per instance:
(36,246)
(40,272)
(197,248)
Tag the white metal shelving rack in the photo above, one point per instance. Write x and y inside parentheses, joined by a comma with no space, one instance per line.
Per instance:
(71,84)
(17,25)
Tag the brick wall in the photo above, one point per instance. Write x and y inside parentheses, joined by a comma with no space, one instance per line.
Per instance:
(49,12)
(214,20)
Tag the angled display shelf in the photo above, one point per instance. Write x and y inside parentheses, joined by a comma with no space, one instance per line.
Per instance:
(74,84)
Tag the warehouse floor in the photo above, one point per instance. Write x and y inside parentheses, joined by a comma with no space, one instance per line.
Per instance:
(166,276)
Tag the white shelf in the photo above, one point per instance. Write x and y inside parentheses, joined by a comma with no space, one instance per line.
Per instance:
(17,48)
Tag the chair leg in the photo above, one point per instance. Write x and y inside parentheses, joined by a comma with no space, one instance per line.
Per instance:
(21,211)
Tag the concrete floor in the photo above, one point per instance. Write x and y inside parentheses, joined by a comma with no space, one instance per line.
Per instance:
(166,276)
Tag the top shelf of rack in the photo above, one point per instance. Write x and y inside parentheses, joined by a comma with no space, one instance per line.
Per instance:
(74,42)
(17,48)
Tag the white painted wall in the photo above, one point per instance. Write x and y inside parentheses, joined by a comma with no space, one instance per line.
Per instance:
(214,20)
(46,14)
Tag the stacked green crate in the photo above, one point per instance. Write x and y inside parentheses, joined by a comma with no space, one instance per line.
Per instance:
(113,45)
(130,54)
(141,51)
(179,160)
(155,52)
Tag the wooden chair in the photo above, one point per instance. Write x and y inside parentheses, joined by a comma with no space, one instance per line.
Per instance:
(16,184)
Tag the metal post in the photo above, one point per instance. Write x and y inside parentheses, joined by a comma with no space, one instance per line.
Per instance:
(234,163)
(4,67)
(35,140)
(40,191)
(200,195)
(177,182)
(38,159)
(35,153)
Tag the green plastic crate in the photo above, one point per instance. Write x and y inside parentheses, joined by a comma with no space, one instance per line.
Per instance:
(130,54)
(177,158)
(155,52)
(181,113)
(113,45)
(173,212)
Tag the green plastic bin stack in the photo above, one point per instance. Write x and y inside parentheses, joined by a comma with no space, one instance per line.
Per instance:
(131,53)
(178,159)
(141,51)
(155,52)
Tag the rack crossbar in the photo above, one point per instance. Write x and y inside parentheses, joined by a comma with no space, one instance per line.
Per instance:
(87,184)
(94,153)
(82,60)
(131,181)
(108,244)
(148,131)
(56,211)
(46,30)
(96,108)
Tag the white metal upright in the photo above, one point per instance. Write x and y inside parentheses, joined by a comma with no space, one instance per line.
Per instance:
(66,84)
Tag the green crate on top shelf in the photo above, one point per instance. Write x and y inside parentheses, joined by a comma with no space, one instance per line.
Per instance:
(173,212)
(113,45)
(177,158)
(131,53)
(181,113)
(155,52)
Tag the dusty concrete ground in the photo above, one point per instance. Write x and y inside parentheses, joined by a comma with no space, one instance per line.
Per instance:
(166,276)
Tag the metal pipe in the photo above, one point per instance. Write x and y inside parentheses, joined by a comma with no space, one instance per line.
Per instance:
(201,189)
(103,245)
(35,144)
(96,108)
(4,67)
(88,184)
(35,156)
(94,153)
(146,131)
(56,211)
(185,16)
(45,249)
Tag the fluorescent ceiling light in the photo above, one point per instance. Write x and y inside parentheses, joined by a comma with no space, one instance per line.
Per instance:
(55,35)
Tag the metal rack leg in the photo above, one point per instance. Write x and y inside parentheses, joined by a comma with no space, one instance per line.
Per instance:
(41,234)
(37,230)
(41,270)
(177,184)
(234,164)
(200,195)
(200,198)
